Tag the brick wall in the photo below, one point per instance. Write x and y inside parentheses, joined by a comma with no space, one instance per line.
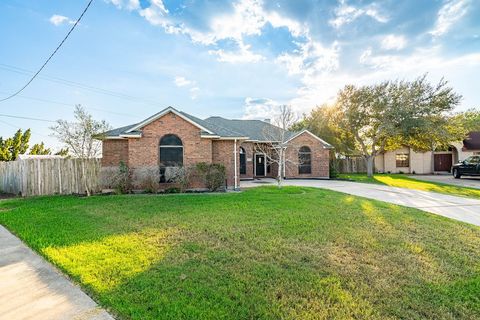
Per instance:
(114,151)
(144,151)
(320,157)
(222,152)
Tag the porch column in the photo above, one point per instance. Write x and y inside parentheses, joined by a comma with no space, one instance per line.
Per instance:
(235,163)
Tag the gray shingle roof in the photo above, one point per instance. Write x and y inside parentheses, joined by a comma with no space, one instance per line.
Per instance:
(254,129)
(218,126)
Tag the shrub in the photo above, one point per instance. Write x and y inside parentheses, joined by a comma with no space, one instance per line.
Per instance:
(123,179)
(333,169)
(183,177)
(213,175)
(147,179)
(172,190)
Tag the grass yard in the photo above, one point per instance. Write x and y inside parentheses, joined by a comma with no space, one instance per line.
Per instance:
(295,253)
(403,181)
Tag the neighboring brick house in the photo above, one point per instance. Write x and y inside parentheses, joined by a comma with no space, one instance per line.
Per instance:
(173,138)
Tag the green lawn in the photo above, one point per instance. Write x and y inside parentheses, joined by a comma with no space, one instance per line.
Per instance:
(295,253)
(403,181)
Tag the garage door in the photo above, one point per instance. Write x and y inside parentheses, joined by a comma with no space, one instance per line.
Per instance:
(443,162)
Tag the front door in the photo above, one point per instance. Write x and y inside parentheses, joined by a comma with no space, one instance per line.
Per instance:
(443,162)
(259,165)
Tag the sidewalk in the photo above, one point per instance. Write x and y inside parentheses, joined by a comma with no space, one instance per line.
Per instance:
(31,288)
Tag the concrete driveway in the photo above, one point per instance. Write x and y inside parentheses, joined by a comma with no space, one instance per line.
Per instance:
(31,288)
(458,208)
(472,182)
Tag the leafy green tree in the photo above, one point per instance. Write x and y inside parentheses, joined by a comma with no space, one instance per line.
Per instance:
(323,121)
(39,149)
(62,152)
(470,119)
(10,148)
(384,116)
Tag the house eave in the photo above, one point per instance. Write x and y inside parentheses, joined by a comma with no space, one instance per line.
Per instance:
(164,112)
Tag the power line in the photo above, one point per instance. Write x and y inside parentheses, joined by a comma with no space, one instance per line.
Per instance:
(17,127)
(51,56)
(26,118)
(83,86)
(72,104)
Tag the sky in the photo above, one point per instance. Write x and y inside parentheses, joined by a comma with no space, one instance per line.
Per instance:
(128,59)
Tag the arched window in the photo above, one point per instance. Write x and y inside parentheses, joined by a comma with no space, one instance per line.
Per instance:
(304,160)
(243,161)
(171,156)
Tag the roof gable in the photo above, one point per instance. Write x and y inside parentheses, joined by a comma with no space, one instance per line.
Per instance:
(162,113)
(305,131)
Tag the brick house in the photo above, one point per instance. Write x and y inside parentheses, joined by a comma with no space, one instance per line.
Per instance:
(173,138)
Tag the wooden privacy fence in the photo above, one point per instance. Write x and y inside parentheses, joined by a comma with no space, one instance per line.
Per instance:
(351,165)
(34,177)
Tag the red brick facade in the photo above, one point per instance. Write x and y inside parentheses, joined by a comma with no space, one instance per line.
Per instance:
(320,157)
(143,153)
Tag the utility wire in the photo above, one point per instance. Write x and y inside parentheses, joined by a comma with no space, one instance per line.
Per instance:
(72,104)
(26,118)
(51,56)
(17,127)
(75,84)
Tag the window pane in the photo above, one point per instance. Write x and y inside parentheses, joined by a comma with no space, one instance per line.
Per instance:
(402,160)
(170,140)
(305,160)
(171,156)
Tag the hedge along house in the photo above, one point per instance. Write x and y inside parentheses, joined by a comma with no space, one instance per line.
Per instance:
(173,138)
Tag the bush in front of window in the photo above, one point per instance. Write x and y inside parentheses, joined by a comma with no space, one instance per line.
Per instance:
(183,177)
(213,175)
(148,179)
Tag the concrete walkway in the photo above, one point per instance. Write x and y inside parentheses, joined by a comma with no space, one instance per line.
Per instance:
(31,288)
(458,208)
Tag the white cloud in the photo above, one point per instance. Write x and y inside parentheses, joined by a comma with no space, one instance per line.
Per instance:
(312,58)
(128,4)
(58,20)
(247,19)
(394,42)
(324,87)
(449,14)
(260,108)
(191,85)
(345,14)
(194,92)
(182,81)
(243,55)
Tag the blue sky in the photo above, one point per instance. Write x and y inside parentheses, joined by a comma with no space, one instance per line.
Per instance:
(130,58)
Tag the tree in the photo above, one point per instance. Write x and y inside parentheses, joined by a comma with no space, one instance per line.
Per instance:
(39,149)
(384,116)
(277,140)
(322,121)
(470,119)
(10,148)
(80,136)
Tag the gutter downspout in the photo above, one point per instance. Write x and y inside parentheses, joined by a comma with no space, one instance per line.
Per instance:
(235,163)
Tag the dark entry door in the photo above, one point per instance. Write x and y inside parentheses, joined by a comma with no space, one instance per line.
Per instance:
(443,162)
(259,165)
